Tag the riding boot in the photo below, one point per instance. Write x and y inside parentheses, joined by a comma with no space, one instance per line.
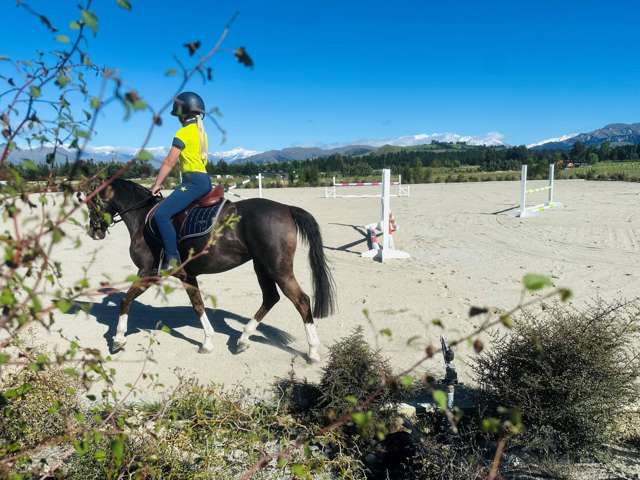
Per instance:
(169,264)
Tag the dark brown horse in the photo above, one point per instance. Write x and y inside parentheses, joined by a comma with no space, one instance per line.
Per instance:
(265,233)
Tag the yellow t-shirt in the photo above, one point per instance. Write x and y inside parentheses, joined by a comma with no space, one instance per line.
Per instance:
(187,139)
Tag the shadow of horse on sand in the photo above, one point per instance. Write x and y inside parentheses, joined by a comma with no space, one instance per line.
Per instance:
(149,318)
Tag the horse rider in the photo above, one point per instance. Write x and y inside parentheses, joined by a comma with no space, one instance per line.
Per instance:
(190,147)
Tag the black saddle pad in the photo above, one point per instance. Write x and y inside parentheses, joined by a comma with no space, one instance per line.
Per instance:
(199,222)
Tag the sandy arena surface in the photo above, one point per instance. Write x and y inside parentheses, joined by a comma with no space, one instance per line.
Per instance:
(461,255)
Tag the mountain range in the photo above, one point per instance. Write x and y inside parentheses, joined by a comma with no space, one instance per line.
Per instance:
(615,134)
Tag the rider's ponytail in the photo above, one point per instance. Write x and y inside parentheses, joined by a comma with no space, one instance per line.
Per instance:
(204,147)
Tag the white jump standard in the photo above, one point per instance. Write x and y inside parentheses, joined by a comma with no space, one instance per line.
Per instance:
(531,211)
(386,250)
(331,192)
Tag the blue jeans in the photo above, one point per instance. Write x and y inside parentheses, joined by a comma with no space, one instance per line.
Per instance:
(194,185)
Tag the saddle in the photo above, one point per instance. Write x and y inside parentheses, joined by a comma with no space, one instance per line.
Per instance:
(196,220)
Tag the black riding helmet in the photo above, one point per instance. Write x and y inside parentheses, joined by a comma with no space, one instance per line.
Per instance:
(187,103)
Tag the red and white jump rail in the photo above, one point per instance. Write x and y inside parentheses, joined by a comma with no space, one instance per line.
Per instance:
(386,249)
(331,192)
(534,210)
(244,182)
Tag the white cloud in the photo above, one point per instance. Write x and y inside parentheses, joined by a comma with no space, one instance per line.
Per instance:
(561,138)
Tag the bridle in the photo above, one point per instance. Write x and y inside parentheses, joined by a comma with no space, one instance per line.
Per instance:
(116,217)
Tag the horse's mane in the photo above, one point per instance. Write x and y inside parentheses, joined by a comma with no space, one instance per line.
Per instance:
(132,187)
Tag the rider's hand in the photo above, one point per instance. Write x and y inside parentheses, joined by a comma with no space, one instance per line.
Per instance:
(155,190)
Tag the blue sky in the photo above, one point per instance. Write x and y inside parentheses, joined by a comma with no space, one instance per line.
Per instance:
(335,71)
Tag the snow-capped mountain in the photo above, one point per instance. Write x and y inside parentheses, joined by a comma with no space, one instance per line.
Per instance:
(490,139)
(233,155)
(615,134)
(108,153)
(561,138)
(359,147)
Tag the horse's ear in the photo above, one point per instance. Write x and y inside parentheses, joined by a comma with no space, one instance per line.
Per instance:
(108,193)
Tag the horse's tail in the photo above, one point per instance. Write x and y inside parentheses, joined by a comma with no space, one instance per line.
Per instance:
(323,285)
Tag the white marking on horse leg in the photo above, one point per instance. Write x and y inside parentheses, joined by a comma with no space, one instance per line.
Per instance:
(207,344)
(119,340)
(249,329)
(313,341)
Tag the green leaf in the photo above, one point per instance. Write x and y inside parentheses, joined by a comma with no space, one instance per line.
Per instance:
(4,58)
(139,105)
(100,455)
(56,235)
(170,72)
(534,281)
(565,294)
(437,322)
(4,358)
(124,4)
(29,164)
(351,399)
(144,155)
(299,470)
(95,103)
(62,80)
(117,450)
(74,25)
(166,329)
(132,278)
(506,320)
(7,297)
(440,398)
(80,133)
(63,305)
(34,92)
(90,20)
(406,381)
(62,38)
(386,332)
(490,424)
(361,419)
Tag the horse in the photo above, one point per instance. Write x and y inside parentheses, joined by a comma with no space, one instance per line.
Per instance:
(264,231)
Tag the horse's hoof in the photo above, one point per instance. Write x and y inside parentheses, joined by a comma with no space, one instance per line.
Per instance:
(242,346)
(205,348)
(118,345)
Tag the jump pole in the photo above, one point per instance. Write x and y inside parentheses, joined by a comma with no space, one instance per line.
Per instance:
(386,251)
(331,192)
(529,211)
(244,182)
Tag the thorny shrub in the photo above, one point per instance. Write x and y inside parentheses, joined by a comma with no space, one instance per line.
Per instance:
(570,372)
(35,406)
(353,373)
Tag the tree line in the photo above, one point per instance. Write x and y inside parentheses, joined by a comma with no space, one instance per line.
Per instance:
(415,165)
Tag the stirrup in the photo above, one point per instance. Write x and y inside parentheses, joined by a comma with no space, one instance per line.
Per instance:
(169,264)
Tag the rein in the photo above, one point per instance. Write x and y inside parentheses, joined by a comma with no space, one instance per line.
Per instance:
(117,216)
